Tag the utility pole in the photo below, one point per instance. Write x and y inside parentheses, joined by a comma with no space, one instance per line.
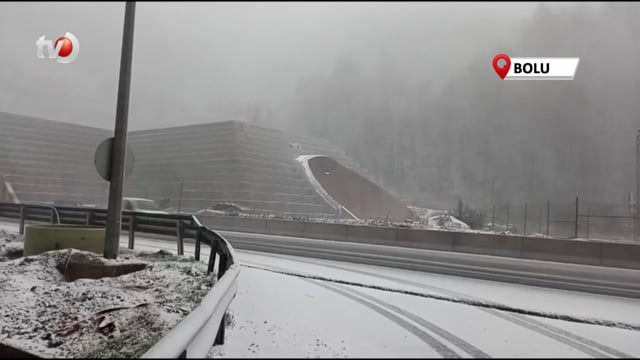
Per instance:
(116,182)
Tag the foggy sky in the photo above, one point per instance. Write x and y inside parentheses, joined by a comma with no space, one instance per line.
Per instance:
(200,62)
(406,88)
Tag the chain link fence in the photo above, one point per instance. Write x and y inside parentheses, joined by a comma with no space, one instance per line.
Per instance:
(566,220)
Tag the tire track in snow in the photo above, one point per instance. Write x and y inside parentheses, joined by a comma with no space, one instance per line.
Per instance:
(372,301)
(480,305)
(434,343)
(576,341)
(457,341)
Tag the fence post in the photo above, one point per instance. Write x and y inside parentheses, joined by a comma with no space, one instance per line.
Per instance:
(493,217)
(508,208)
(180,230)
(132,231)
(539,219)
(524,232)
(548,212)
(577,210)
(23,215)
(635,220)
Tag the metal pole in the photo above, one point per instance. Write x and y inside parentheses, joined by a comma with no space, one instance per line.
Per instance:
(493,217)
(23,218)
(577,209)
(180,198)
(525,220)
(636,224)
(114,211)
(634,214)
(539,220)
(508,208)
(548,212)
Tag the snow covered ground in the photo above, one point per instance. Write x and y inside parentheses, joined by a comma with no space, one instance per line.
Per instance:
(283,310)
(48,309)
(286,315)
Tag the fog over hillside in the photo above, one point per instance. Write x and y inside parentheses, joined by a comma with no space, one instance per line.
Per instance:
(406,88)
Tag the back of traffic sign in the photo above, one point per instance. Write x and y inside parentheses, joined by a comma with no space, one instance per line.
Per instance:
(102,159)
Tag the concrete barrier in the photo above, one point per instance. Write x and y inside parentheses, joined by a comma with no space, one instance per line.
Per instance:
(336,232)
(284,228)
(621,255)
(233,223)
(487,244)
(425,239)
(573,251)
(371,235)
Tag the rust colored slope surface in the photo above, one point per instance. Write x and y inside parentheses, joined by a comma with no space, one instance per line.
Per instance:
(362,197)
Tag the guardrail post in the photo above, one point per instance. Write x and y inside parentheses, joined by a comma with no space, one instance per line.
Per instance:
(588,220)
(180,233)
(222,265)
(132,231)
(212,256)
(220,335)
(88,218)
(23,215)
(197,252)
(53,213)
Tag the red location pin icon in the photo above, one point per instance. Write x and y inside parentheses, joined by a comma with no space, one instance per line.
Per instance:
(501,71)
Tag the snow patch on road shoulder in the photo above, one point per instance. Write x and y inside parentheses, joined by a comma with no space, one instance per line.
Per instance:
(121,316)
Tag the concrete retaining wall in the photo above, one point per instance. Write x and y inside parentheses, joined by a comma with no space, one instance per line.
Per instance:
(284,227)
(621,254)
(321,231)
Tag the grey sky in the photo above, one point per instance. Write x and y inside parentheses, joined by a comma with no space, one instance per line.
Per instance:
(197,62)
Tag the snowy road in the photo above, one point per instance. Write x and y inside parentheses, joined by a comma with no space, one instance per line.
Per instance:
(299,307)
(278,315)
(565,276)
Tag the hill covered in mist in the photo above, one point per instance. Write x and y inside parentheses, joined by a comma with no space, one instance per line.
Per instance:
(485,140)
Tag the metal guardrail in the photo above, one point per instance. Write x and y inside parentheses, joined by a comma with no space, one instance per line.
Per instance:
(204,326)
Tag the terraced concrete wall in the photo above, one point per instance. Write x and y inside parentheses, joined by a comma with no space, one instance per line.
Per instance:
(45,161)
(229,161)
